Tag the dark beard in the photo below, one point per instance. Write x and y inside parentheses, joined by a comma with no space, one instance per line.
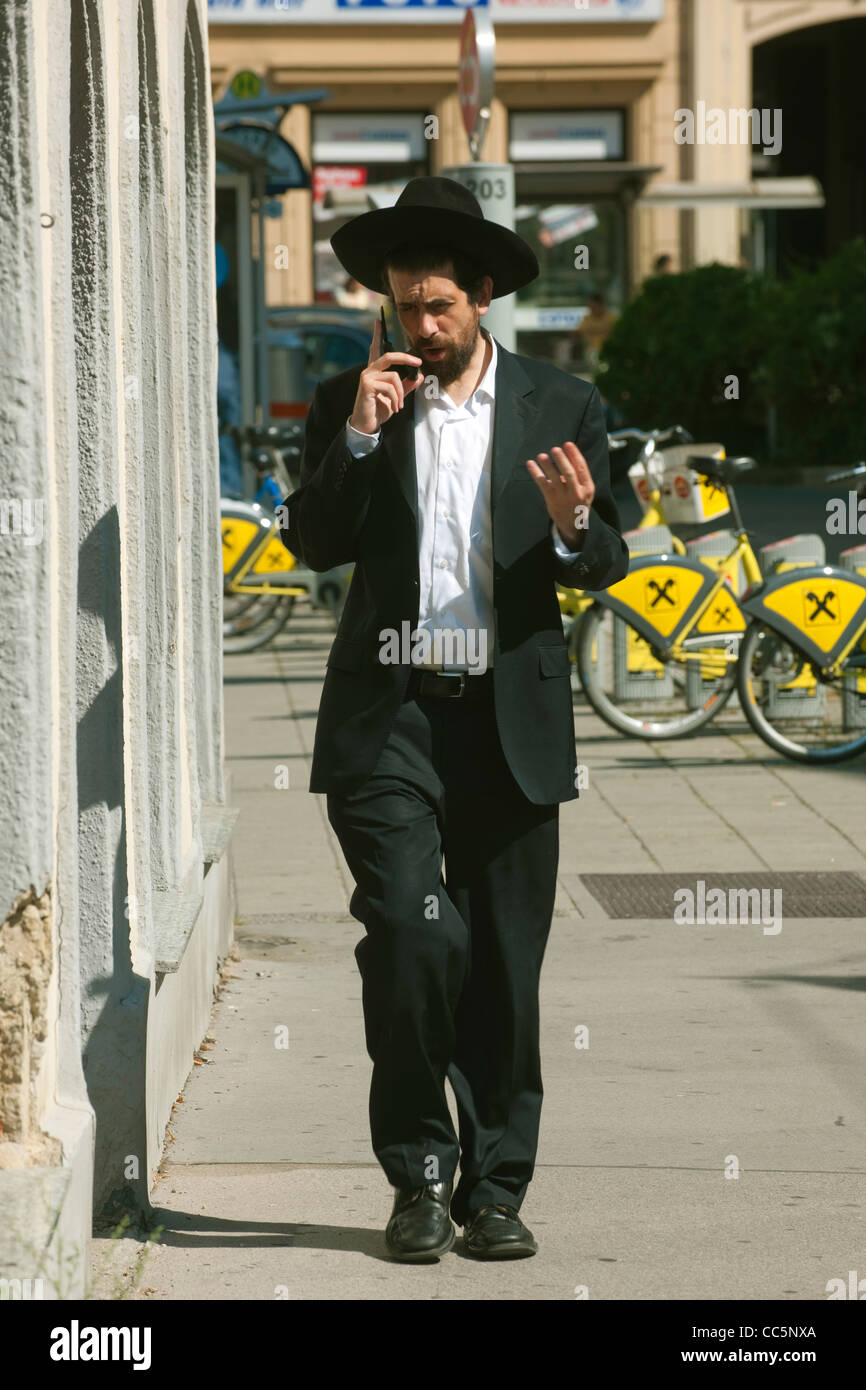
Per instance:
(455,361)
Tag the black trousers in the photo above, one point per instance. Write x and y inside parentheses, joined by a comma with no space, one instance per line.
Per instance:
(452,955)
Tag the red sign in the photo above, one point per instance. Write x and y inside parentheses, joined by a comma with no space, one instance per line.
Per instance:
(682,486)
(327,176)
(469,74)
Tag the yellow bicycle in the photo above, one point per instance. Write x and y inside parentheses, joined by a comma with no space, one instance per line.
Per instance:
(261,578)
(647,482)
(660,653)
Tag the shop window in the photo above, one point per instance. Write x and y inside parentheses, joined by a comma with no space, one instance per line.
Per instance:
(356,156)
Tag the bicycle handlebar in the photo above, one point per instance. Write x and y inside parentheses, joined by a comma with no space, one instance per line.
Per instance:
(857,470)
(672,431)
(276,435)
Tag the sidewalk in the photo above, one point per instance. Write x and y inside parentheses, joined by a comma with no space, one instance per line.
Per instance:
(707,1044)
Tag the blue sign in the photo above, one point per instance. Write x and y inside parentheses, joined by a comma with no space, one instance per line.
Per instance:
(431,11)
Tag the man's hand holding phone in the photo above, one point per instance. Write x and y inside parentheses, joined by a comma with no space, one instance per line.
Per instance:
(381,389)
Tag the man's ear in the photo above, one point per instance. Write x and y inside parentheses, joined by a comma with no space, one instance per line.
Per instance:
(485,296)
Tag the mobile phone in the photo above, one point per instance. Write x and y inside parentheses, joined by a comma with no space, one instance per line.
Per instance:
(404,370)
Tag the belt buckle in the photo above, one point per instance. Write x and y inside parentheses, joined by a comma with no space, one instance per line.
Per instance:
(458,676)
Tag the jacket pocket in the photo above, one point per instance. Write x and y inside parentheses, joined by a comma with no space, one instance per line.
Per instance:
(345,655)
(553,661)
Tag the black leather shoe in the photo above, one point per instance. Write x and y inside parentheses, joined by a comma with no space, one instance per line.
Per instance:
(497,1233)
(420,1228)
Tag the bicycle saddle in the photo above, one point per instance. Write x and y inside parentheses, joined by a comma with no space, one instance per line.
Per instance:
(721,470)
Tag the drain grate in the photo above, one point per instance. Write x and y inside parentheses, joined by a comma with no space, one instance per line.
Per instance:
(624,896)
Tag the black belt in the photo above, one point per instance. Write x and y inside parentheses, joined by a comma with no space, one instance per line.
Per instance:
(449,685)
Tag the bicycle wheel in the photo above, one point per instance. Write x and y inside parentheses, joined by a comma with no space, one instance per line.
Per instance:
(639,695)
(235,606)
(254,610)
(263,632)
(798,715)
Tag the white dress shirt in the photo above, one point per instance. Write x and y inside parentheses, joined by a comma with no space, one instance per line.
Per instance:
(453,458)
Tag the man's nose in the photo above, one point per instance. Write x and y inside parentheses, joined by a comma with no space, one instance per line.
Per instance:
(428,327)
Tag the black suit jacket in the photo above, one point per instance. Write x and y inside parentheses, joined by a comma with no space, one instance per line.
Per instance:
(365,511)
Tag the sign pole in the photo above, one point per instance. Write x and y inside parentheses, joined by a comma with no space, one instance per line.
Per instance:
(491,184)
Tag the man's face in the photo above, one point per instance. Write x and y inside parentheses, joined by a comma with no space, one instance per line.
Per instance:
(440,325)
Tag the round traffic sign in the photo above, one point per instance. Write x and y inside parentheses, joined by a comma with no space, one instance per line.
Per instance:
(469,73)
(245,84)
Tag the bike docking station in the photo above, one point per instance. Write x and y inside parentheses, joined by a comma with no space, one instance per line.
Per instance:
(689,501)
(804,697)
(636,673)
(854,687)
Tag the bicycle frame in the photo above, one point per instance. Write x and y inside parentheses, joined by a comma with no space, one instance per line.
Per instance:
(695,588)
(791,604)
(255,552)
(776,603)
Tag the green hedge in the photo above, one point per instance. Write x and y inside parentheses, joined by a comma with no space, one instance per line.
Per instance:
(815,366)
(798,345)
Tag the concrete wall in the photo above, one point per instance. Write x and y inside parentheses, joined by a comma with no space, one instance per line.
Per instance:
(115,906)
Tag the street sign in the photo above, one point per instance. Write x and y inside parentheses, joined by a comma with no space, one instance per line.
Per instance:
(245,85)
(475,71)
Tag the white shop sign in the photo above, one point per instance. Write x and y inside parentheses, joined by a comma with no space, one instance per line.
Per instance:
(566,135)
(367,138)
(528,318)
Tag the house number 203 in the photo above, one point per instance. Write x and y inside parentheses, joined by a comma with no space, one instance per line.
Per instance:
(486,188)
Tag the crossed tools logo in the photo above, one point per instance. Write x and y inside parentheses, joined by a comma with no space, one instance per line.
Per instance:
(821,608)
(660,595)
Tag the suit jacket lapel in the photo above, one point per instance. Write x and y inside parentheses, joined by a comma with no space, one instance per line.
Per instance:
(514,418)
(398,440)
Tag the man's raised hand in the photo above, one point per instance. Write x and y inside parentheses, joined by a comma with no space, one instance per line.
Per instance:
(567,488)
(381,391)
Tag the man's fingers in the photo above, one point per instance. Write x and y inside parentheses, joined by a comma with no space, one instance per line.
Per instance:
(395,382)
(578,462)
(548,471)
(563,463)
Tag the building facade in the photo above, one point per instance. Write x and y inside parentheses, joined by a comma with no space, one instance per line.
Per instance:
(115,906)
(585,108)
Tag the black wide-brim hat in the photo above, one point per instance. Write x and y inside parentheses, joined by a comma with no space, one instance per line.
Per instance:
(435,210)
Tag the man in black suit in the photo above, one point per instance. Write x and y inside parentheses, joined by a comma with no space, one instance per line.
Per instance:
(463,481)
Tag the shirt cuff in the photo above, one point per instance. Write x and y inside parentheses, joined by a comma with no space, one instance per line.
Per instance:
(560,547)
(360,443)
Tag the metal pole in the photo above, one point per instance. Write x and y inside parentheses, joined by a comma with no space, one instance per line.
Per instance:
(493,186)
(264,390)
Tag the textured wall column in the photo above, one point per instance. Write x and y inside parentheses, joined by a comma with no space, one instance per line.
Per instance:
(205,553)
(27,929)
